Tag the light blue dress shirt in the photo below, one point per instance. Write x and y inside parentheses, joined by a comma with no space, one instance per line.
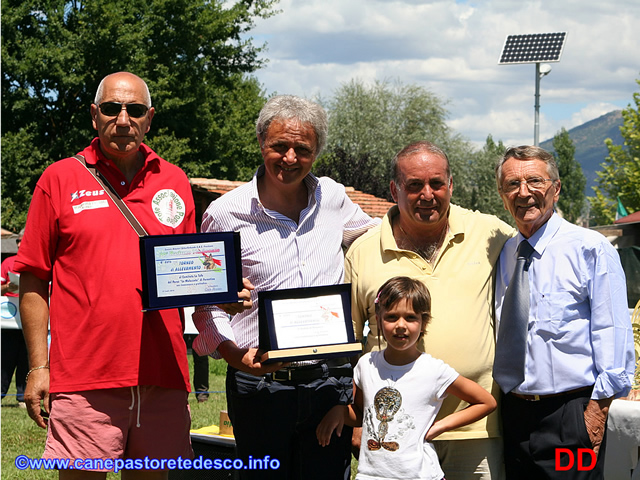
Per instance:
(579,326)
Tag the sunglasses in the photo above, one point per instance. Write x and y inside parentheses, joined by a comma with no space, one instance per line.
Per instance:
(113,109)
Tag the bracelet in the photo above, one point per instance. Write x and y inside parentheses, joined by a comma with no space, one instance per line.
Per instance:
(33,370)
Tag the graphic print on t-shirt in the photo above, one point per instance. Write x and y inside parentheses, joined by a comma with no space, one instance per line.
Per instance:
(387,411)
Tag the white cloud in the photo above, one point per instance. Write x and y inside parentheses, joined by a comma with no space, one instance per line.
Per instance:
(590,112)
(452,48)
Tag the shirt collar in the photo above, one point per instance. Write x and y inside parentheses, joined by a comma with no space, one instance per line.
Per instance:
(541,238)
(456,222)
(311,182)
(98,156)
(388,241)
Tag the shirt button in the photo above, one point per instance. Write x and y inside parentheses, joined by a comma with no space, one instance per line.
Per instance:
(122,183)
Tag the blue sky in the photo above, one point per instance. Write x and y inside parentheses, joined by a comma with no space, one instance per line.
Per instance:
(452,48)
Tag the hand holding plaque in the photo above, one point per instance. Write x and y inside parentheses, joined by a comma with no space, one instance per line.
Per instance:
(190,269)
(244,299)
(305,323)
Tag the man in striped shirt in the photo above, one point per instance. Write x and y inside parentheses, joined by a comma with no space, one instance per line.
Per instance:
(293,228)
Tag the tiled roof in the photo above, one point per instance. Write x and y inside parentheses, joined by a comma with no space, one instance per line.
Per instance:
(214,185)
(631,218)
(374,206)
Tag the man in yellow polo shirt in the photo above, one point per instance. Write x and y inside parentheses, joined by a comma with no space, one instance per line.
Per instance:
(453,251)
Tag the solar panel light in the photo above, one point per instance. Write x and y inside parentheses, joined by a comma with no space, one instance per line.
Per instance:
(534,48)
(545,69)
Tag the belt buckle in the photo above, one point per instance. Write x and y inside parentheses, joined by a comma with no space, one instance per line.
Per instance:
(531,397)
(285,378)
(528,397)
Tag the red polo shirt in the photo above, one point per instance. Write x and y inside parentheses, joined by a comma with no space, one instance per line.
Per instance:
(77,238)
(5,268)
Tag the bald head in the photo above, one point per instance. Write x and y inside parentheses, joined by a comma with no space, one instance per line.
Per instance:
(115,78)
(120,131)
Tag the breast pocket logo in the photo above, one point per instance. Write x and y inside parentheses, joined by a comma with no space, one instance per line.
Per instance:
(168,208)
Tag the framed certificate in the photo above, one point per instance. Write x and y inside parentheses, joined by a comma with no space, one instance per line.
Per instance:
(305,323)
(190,269)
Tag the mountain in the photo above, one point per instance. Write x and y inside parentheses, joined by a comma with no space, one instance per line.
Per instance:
(588,139)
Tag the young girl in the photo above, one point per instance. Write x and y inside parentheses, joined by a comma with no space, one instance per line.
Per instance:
(398,392)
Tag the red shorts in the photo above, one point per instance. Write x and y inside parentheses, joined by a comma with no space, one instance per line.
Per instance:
(130,422)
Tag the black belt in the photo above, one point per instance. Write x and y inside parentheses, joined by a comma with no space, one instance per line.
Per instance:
(536,398)
(310,373)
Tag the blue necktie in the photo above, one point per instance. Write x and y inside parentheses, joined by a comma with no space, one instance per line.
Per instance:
(508,367)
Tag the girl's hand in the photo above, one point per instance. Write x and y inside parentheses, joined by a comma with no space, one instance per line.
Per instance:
(333,420)
(433,432)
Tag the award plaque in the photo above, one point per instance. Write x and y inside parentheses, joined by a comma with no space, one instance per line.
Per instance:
(190,269)
(305,323)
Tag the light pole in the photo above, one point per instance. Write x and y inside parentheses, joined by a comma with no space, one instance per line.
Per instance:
(534,48)
(541,71)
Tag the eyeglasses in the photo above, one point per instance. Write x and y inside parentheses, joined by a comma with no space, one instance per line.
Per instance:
(113,109)
(532,183)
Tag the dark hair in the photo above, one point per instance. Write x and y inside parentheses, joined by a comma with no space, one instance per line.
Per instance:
(416,147)
(400,288)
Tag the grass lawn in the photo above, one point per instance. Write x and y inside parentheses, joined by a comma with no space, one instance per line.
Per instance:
(21,436)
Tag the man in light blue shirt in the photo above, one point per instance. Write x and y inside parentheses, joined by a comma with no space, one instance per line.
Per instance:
(577,341)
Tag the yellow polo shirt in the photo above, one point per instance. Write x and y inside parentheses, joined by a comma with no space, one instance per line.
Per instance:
(461,282)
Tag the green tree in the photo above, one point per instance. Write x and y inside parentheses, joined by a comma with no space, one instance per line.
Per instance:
(572,200)
(356,172)
(480,190)
(194,54)
(369,124)
(620,175)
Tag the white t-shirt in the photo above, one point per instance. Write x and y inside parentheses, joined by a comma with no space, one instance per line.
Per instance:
(400,403)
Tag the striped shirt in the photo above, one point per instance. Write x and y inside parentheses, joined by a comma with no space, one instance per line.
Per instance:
(277,252)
